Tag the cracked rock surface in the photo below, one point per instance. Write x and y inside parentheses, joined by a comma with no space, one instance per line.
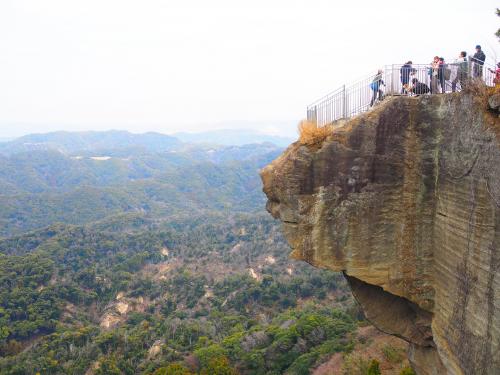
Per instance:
(405,200)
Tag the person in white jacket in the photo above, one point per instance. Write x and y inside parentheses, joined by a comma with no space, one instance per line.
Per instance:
(462,71)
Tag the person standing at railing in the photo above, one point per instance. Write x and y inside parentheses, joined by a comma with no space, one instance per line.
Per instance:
(405,72)
(375,86)
(433,72)
(442,74)
(462,71)
(478,60)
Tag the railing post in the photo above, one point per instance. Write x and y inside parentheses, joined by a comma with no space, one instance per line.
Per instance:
(344,109)
(392,79)
(469,69)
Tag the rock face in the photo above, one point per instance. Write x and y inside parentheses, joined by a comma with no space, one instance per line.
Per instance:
(405,200)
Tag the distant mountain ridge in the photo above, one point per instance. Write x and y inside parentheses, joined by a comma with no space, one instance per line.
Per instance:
(43,186)
(70,142)
(235,137)
(92,142)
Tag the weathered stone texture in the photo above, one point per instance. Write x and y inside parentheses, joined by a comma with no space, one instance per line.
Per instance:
(405,200)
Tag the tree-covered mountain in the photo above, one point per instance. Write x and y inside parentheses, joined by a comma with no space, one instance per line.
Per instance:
(137,261)
(121,142)
(183,284)
(70,142)
(42,187)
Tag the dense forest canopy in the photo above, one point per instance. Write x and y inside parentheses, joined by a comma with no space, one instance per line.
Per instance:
(156,260)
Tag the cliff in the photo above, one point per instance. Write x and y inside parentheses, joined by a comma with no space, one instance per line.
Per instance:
(405,201)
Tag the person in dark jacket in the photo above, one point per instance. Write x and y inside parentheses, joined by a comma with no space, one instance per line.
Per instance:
(478,60)
(441,74)
(418,88)
(405,72)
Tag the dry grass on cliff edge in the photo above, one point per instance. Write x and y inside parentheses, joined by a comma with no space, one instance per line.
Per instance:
(481,93)
(479,90)
(312,134)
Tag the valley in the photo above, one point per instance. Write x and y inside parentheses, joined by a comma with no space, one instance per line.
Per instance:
(148,260)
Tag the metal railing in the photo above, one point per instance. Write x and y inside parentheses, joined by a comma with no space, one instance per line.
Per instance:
(348,101)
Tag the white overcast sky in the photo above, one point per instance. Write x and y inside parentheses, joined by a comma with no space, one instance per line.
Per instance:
(173,65)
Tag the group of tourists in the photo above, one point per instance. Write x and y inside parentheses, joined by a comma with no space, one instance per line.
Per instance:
(439,73)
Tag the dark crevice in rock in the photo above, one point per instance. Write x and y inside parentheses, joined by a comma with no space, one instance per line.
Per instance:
(393,314)
(400,317)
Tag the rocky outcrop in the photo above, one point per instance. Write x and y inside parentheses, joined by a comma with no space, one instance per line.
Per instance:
(405,200)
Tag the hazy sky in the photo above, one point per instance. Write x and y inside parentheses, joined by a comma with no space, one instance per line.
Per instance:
(168,65)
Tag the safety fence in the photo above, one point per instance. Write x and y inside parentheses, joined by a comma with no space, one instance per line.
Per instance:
(397,79)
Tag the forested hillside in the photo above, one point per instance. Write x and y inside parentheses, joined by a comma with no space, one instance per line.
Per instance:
(137,261)
(89,141)
(42,187)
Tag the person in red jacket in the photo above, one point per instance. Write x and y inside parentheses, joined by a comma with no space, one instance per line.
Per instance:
(496,80)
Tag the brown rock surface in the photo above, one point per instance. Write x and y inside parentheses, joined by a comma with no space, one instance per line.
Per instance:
(405,200)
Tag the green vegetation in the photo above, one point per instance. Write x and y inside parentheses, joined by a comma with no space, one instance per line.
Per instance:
(26,306)
(157,263)
(407,371)
(392,354)
(44,187)
(355,365)
(374,368)
(55,281)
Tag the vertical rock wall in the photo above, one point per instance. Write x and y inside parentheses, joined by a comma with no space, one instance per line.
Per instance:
(405,200)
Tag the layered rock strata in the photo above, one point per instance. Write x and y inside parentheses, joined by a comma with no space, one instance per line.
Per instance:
(405,200)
